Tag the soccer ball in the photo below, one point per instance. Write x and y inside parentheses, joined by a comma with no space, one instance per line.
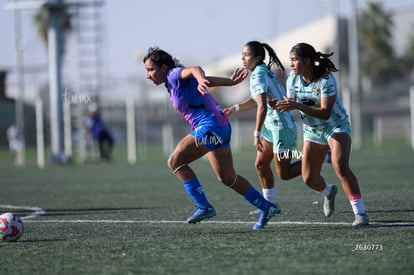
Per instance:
(11,227)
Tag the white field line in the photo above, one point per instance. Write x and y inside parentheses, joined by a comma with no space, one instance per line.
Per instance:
(218,222)
(37,211)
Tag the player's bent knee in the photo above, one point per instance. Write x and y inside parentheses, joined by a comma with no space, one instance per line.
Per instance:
(283,175)
(227,179)
(259,166)
(174,165)
(341,170)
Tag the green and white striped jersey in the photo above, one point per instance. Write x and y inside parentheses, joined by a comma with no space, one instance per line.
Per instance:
(263,80)
(311,93)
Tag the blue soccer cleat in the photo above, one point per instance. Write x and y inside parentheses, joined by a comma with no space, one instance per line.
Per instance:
(265,216)
(201,213)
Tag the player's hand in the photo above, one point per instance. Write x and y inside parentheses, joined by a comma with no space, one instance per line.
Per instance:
(273,103)
(286,104)
(203,86)
(229,111)
(239,75)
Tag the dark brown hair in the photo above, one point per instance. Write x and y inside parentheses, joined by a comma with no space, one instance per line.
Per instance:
(320,61)
(159,57)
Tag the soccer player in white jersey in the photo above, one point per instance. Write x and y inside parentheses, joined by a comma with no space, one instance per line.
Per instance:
(311,89)
(275,132)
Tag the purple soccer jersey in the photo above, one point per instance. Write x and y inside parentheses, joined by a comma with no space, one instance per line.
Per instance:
(197,109)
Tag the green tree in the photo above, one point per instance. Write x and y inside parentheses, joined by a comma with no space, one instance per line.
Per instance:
(42,18)
(375,37)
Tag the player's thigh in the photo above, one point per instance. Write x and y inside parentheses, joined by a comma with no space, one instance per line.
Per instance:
(265,157)
(340,145)
(186,151)
(312,160)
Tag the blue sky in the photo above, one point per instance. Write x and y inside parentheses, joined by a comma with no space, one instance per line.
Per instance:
(198,32)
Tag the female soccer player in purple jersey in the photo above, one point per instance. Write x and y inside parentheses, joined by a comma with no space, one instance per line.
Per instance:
(311,89)
(210,133)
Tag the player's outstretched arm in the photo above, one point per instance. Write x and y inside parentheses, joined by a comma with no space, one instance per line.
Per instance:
(238,76)
(213,81)
(245,105)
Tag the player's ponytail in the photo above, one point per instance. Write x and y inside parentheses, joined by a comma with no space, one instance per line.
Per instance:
(259,49)
(324,62)
(273,59)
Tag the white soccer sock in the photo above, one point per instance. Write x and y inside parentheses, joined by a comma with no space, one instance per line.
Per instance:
(270,194)
(325,192)
(357,206)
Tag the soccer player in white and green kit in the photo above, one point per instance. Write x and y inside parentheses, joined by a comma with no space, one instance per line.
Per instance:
(311,89)
(275,132)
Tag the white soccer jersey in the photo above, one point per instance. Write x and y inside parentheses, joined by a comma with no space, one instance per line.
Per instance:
(262,80)
(311,93)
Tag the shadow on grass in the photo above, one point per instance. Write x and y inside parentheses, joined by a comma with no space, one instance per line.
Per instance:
(391,223)
(392,211)
(42,240)
(387,222)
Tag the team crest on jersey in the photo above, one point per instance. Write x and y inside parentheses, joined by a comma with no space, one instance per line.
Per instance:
(315,90)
